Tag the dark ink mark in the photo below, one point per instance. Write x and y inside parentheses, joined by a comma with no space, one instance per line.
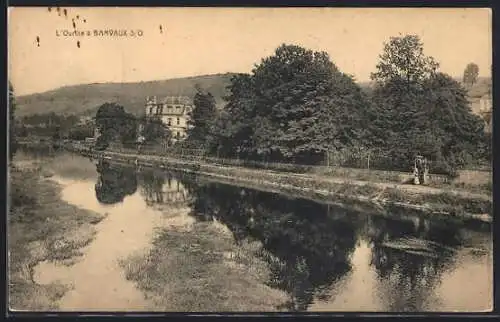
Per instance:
(38,41)
(84,20)
(66,13)
(78,43)
(74,25)
(50,9)
(77,17)
(161,29)
(58,11)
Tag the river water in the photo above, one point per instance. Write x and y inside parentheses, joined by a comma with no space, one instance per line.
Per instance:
(332,259)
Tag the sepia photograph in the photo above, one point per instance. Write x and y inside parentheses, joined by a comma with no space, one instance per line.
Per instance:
(232,159)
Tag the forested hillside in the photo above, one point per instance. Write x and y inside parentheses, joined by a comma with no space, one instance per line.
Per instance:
(85,99)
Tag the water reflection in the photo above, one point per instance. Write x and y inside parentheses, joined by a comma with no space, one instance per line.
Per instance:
(409,259)
(162,188)
(114,183)
(314,243)
(324,257)
(309,246)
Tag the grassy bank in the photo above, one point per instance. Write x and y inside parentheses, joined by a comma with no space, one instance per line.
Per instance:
(446,201)
(41,227)
(203,270)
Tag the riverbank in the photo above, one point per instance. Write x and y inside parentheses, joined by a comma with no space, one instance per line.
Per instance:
(201,269)
(41,227)
(373,196)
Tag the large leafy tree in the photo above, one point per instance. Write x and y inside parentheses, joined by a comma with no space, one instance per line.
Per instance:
(202,117)
(403,63)
(421,111)
(234,129)
(447,113)
(115,124)
(295,105)
(471,73)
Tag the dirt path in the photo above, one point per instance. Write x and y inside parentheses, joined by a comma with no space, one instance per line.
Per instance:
(416,189)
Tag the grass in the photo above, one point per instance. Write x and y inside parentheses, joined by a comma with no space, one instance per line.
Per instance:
(203,270)
(483,188)
(445,201)
(41,227)
(360,174)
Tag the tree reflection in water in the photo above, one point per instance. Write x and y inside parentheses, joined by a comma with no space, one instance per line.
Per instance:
(306,249)
(410,268)
(114,183)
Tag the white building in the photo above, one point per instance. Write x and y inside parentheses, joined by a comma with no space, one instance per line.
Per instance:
(173,111)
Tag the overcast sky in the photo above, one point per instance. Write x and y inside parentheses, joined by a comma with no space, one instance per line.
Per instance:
(197,41)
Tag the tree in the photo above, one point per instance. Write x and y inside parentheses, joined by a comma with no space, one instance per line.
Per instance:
(448,114)
(471,73)
(295,105)
(155,131)
(201,117)
(115,124)
(233,130)
(403,62)
(420,110)
(12,120)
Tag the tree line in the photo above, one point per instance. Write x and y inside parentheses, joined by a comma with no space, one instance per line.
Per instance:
(296,106)
(52,125)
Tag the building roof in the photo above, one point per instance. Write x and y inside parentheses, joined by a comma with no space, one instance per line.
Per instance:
(183,100)
(175,111)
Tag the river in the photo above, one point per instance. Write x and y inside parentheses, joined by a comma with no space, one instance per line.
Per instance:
(330,259)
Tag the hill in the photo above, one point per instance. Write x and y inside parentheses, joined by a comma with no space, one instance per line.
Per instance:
(86,98)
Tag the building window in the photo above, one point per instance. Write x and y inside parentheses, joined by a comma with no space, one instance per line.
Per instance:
(178,121)
(178,134)
(169,122)
(169,106)
(150,110)
(178,106)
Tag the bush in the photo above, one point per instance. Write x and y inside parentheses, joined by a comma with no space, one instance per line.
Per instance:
(443,168)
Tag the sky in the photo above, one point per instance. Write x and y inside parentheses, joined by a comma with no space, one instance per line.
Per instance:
(200,41)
